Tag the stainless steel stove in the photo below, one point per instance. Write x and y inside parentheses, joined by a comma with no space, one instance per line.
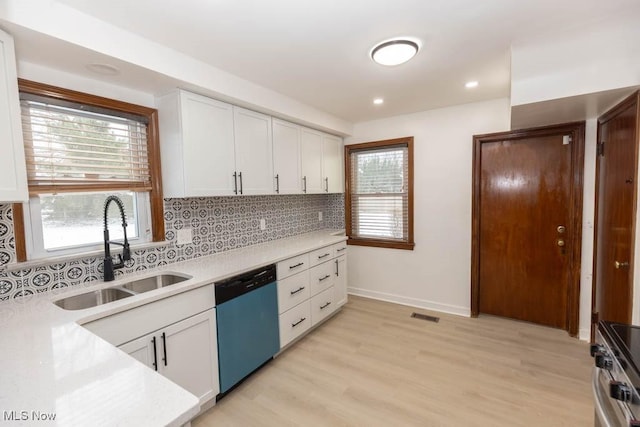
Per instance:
(616,377)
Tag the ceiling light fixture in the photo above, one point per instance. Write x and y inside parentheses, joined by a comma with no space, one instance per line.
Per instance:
(394,52)
(471,84)
(104,69)
(378,101)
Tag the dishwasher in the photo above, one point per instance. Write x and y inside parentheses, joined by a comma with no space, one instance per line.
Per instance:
(247,320)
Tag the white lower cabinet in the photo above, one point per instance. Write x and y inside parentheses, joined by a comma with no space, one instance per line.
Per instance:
(315,291)
(183,352)
(322,305)
(294,323)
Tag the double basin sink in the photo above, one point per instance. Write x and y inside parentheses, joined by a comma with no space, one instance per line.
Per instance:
(115,293)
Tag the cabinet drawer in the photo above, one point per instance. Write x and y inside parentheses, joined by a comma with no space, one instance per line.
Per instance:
(292,266)
(340,248)
(322,305)
(293,290)
(321,255)
(294,323)
(321,277)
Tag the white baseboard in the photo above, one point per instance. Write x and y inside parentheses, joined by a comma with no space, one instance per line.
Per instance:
(411,302)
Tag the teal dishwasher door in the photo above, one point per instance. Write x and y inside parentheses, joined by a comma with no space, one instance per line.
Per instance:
(248,334)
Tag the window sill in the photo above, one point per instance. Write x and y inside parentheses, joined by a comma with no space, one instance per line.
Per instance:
(73,257)
(381,243)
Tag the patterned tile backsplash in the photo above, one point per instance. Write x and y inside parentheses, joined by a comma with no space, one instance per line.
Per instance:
(217,223)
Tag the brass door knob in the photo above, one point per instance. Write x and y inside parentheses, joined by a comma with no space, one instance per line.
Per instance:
(619,264)
(561,229)
(560,242)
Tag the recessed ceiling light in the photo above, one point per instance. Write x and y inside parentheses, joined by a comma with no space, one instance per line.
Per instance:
(104,69)
(471,84)
(394,52)
(378,101)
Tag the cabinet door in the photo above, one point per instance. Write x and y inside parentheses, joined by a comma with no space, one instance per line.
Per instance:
(208,151)
(188,354)
(340,283)
(332,165)
(254,152)
(286,157)
(311,160)
(142,349)
(13,170)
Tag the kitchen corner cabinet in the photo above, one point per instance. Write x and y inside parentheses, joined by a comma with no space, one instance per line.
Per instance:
(286,157)
(182,352)
(13,170)
(332,164)
(311,161)
(197,145)
(253,152)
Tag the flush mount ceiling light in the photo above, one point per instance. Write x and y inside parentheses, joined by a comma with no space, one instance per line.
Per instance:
(471,84)
(104,69)
(378,101)
(394,52)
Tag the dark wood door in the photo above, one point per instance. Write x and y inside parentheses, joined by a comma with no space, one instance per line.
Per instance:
(616,172)
(527,243)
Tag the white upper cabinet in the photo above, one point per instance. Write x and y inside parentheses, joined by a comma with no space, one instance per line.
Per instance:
(311,161)
(254,152)
(332,164)
(211,148)
(197,146)
(286,157)
(13,170)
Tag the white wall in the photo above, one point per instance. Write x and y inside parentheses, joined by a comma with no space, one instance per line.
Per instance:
(436,274)
(576,62)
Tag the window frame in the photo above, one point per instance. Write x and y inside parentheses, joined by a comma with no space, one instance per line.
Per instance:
(156,203)
(380,242)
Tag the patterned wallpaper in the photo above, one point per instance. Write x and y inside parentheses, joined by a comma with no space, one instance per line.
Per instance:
(218,224)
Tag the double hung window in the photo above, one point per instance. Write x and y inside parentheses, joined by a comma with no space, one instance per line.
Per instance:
(379,197)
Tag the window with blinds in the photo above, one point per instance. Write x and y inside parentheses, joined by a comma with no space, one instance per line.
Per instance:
(81,148)
(380,198)
(73,147)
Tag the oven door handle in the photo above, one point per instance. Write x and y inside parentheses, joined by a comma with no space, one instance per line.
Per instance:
(599,397)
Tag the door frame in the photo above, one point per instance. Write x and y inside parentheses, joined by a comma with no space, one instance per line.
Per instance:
(608,115)
(577,131)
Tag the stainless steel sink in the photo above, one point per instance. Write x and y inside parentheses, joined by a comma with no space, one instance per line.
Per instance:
(154,282)
(93,298)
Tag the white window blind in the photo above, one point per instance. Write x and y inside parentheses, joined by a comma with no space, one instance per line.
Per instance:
(69,148)
(379,193)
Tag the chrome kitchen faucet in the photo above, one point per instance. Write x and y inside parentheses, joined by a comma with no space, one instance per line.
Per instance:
(109,266)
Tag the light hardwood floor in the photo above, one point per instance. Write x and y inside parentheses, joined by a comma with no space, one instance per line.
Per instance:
(374,365)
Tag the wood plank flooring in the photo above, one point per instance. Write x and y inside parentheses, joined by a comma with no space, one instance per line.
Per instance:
(374,365)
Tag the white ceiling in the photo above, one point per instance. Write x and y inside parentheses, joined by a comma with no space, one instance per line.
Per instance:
(318,53)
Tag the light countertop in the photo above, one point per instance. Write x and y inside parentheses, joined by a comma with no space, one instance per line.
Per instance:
(51,364)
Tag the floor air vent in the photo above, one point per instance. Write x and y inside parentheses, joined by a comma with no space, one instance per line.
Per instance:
(425,317)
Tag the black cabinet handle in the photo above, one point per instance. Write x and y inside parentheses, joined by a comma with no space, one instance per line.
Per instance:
(291,267)
(324,278)
(278,184)
(322,307)
(293,325)
(235,183)
(240,175)
(155,354)
(337,268)
(323,256)
(301,288)
(304,181)
(164,348)
(341,249)
(326,181)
